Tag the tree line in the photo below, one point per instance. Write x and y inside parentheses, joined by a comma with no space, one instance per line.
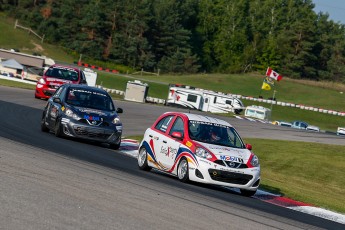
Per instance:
(189,36)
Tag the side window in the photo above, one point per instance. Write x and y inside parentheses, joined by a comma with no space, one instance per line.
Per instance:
(206,100)
(163,124)
(233,137)
(58,92)
(229,102)
(215,100)
(62,93)
(177,126)
(192,98)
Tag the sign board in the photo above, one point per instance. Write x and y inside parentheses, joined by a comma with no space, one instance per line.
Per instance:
(91,77)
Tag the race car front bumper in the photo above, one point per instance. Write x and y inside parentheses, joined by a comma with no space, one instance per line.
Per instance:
(212,173)
(109,134)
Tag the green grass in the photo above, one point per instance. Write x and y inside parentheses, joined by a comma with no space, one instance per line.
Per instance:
(313,174)
(308,172)
(16,84)
(29,44)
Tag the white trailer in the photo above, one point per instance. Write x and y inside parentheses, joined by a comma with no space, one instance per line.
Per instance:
(204,100)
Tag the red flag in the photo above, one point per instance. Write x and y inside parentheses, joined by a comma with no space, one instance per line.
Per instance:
(272,74)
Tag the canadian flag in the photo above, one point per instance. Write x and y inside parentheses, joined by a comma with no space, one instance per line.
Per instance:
(273,74)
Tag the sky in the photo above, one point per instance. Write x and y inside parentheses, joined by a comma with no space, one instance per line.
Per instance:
(335,9)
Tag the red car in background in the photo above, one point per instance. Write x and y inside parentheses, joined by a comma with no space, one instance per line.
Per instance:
(55,76)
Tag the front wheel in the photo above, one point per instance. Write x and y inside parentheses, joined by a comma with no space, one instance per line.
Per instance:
(116,146)
(182,170)
(142,160)
(43,125)
(248,193)
(58,129)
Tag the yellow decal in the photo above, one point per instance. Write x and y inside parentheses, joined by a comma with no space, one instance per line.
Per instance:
(189,144)
(62,108)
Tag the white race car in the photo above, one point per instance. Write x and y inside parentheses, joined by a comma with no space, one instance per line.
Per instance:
(202,149)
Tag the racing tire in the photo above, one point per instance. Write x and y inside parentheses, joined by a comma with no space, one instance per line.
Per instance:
(58,129)
(238,111)
(182,170)
(247,193)
(142,160)
(116,146)
(43,126)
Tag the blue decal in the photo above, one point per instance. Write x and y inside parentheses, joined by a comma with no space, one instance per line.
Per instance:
(182,149)
(149,150)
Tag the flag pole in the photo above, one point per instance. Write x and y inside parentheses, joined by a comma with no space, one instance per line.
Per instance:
(274,94)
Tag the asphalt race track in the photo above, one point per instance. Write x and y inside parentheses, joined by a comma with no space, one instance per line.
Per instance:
(53,183)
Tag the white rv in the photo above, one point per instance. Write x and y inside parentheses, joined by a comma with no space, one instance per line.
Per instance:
(204,100)
(258,112)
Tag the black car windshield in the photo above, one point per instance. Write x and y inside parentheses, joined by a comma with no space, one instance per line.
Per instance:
(62,73)
(89,99)
(215,134)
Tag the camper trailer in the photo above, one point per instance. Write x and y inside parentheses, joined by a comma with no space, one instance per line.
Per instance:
(258,112)
(204,100)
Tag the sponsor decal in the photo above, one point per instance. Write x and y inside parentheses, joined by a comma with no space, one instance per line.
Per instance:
(231,158)
(92,118)
(168,151)
(88,111)
(52,80)
(189,144)
(63,108)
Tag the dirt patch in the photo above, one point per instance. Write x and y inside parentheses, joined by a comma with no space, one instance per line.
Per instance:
(38,47)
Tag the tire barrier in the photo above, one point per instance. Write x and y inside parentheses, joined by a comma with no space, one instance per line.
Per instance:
(97,67)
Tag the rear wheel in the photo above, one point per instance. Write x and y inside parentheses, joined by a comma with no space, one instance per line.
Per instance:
(142,160)
(182,170)
(248,193)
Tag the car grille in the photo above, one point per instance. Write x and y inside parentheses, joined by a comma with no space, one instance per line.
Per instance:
(94,123)
(229,177)
(231,164)
(91,132)
(48,93)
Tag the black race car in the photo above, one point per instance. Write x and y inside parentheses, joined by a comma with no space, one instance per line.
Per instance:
(85,112)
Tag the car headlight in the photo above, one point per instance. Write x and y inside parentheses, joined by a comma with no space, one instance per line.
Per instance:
(116,120)
(42,81)
(255,161)
(201,152)
(71,114)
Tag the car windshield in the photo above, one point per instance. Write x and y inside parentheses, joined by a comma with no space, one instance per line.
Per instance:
(215,134)
(62,73)
(89,99)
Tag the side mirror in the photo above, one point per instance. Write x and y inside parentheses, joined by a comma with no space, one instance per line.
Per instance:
(119,110)
(57,100)
(249,146)
(177,135)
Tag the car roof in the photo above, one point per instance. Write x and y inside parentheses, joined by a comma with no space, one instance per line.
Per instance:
(203,118)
